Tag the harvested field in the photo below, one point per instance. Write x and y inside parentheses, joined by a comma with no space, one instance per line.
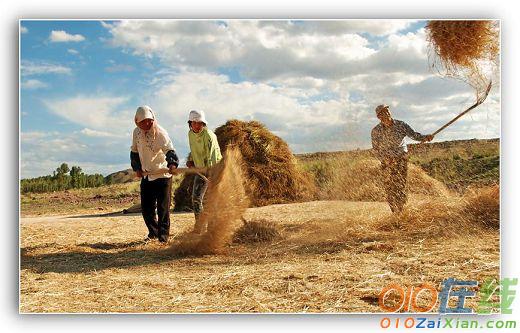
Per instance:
(329,256)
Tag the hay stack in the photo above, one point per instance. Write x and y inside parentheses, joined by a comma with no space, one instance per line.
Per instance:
(225,203)
(433,218)
(477,210)
(482,206)
(182,195)
(256,231)
(360,180)
(467,50)
(270,167)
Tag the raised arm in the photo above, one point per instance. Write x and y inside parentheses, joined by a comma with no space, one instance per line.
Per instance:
(413,134)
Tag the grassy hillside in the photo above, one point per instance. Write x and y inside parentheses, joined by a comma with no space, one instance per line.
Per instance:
(458,164)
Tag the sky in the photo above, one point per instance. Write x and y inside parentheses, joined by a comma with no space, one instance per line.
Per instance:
(313,83)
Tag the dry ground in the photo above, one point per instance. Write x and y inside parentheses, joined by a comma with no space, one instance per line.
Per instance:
(330,257)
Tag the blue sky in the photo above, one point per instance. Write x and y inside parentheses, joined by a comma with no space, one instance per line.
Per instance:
(96,68)
(314,83)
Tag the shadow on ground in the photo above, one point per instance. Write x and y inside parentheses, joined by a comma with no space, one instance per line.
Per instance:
(87,257)
(78,261)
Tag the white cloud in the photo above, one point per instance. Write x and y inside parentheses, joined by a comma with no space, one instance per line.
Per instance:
(23,30)
(28,67)
(98,113)
(33,84)
(43,152)
(340,27)
(31,137)
(73,51)
(278,107)
(412,41)
(261,49)
(97,134)
(278,50)
(63,36)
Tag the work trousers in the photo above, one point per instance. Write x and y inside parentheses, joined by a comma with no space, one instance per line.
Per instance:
(200,185)
(394,180)
(156,194)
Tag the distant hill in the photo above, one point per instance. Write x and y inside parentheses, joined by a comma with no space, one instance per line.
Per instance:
(120,177)
(464,147)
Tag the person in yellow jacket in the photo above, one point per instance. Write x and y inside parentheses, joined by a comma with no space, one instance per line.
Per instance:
(205,152)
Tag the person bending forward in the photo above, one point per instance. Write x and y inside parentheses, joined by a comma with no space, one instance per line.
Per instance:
(205,152)
(151,151)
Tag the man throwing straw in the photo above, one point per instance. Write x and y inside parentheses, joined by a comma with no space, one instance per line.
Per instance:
(389,147)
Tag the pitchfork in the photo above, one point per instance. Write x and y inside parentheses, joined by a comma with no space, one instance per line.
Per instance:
(479,101)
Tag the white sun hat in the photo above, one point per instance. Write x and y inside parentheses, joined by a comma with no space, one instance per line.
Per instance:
(197,115)
(143,112)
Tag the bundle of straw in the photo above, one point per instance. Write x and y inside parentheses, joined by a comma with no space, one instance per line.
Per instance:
(273,173)
(467,50)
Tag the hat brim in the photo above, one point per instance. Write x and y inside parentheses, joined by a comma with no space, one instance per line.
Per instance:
(139,120)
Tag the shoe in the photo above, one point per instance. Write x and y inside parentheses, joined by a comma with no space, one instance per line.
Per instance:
(163,239)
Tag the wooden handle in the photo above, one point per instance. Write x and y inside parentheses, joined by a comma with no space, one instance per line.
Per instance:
(479,101)
(188,171)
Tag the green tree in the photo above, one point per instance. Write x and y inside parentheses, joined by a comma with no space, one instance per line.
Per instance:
(61,179)
(75,177)
(63,169)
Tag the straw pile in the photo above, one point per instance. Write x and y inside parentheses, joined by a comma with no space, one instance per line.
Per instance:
(224,204)
(182,195)
(476,210)
(360,180)
(256,231)
(482,206)
(467,50)
(270,167)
